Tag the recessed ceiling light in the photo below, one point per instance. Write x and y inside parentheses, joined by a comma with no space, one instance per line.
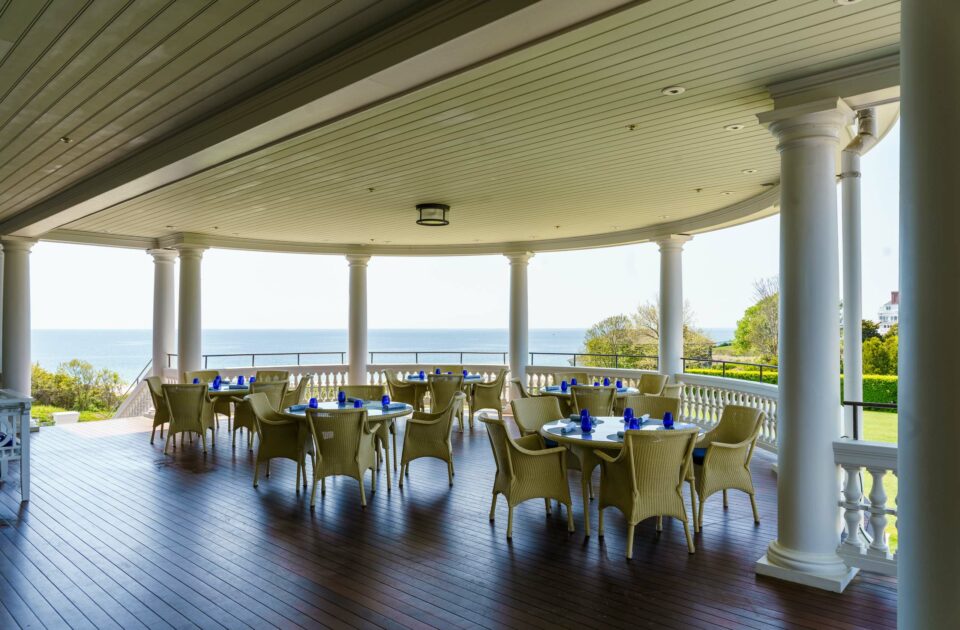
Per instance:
(664,216)
(736,127)
(170,227)
(749,171)
(726,192)
(631,127)
(66,140)
(614,227)
(844,3)
(673,90)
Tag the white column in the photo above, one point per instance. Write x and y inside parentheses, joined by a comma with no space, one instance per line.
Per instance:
(16,314)
(189,326)
(809,417)
(852,286)
(519,327)
(164,315)
(671,304)
(357,325)
(929,427)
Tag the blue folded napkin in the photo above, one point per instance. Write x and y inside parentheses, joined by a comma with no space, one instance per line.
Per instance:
(351,399)
(552,388)
(297,407)
(395,405)
(236,386)
(622,390)
(570,428)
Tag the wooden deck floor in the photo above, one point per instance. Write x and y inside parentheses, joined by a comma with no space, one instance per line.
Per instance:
(119,535)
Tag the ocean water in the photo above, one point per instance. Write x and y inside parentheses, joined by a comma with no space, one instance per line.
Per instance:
(127,351)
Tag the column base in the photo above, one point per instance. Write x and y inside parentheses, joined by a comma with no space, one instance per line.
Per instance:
(823,571)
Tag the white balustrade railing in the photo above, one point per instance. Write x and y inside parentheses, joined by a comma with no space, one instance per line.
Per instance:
(704,398)
(542,375)
(878,460)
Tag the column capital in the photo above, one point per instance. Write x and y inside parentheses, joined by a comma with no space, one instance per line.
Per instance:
(673,241)
(163,255)
(188,250)
(818,120)
(358,260)
(17,243)
(518,258)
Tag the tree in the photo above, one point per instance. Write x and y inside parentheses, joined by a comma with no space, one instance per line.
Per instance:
(869,329)
(880,355)
(757,331)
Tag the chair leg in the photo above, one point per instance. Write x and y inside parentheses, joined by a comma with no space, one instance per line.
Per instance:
(386,463)
(298,477)
(161,431)
(756,514)
(167,442)
(659,523)
(154,431)
(630,529)
(256,471)
(570,527)
(395,458)
(493,507)
(547,503)
(509,521)
(203,438)
(268,468)
(725,504)
(693,506)
(363,494)
(686,531)
(450,472)
(600,524)
(373,481)
(702,501)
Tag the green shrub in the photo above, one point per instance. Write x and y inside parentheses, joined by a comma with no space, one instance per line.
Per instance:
(877,388)
(769,376)
(78,386)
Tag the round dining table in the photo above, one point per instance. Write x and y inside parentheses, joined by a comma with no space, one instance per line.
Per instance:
(423,384)
(376,414)
(605,436)
(555,390)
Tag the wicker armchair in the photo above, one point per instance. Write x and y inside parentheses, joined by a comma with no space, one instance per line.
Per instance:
(428,435)
(161,414)
(203,376)
(245,419)
(273,376)
(655,406)
(582,378)
(646,479)
(452,369)
(672,391)
(190,410)
(527,470)
(652,383)
(532,413)
(401,391)
(488,396)
(722,457)
(385,430)
(443,387)
(599,400)
(296,395)
(522,391)
(345,445)
(281,435)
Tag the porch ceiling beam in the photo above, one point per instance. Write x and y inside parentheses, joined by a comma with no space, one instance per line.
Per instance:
(866,84)
(442,40)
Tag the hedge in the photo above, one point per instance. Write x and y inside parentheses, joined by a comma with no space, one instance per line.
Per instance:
(877,388)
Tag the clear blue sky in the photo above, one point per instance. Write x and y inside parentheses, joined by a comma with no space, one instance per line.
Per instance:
(78,286)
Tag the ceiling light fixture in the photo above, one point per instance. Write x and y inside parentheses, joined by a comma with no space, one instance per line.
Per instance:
(432,214)
(736,127)
(726,192)
(66,140)
(844,3)
(749,171)
(673,90)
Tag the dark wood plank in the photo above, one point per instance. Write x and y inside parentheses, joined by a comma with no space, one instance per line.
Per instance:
(118,534)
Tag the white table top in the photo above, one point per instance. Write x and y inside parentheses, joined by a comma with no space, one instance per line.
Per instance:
(604,434)
(374,410)
(627,391)
(415,378)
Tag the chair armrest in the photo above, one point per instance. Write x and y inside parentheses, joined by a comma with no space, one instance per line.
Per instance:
(530,442)
(422,421)
(605,457)
(721,454)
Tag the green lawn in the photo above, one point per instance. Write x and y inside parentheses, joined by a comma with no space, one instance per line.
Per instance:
(44,414)
(880,426)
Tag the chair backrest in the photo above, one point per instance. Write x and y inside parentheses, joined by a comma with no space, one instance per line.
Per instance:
(521,390)
(185,405)
(204,376)
(337,433)
(453,369)
(532,413)
(738,423)
(259,404)
(652,383)
(582,378)
(442,389)
(599,400)
(274,391)
(497,433)
(273,376)
(365,392)
(155,387)
(301,389)
(654,405)
(672,391)
(659,461)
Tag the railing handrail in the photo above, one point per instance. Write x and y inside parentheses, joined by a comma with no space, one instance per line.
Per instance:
(857,406)
(138,378)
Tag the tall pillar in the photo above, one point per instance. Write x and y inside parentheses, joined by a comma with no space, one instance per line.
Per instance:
(519,327)
(357,325)
(808,412)
(189,325)
(671,304)
(929,427)
(852,286)
(164,316)
(16,314)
